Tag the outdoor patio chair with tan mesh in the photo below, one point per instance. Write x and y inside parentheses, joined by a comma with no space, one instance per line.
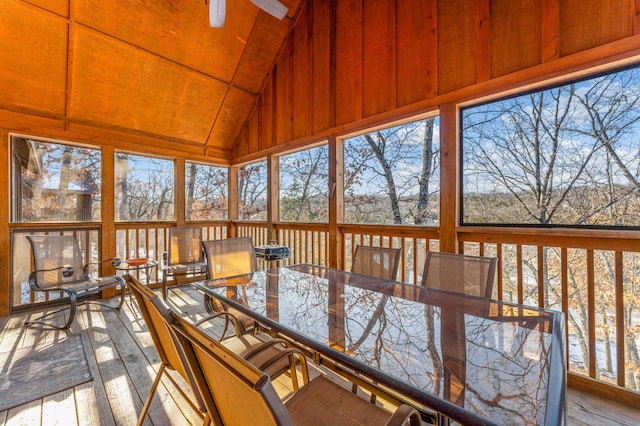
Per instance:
(380,262)
(59,267)
(472,275)
(228,258)
(183,255)
(269,354)
(236,392)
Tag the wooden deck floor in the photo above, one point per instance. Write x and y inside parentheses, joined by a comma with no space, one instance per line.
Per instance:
(124,364)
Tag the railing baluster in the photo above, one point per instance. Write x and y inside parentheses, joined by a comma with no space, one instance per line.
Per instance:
(619,304)
(520,283)
(541,283)
(591,309)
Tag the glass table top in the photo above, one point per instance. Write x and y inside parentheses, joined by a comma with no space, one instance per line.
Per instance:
(461,355)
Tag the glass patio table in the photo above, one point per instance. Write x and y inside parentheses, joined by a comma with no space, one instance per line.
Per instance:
(473,360)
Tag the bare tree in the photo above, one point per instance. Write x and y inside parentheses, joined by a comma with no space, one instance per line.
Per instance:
(304,185)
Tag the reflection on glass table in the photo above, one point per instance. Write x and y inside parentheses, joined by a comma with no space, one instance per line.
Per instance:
(475,360)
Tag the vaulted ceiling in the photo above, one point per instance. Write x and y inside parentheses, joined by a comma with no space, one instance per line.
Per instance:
(144,70)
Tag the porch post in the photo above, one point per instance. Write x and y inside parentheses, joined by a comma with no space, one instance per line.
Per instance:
(336,202)
(107,214)
(273,197)
(449,178)
(233,201)
(179,179)
(5,233)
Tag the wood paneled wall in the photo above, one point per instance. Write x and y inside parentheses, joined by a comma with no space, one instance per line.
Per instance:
(350,64)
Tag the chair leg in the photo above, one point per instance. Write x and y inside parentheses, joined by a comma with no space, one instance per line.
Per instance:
(123,289)
(152,392)
(72,314)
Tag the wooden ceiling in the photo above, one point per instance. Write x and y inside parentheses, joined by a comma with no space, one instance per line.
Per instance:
(149,71)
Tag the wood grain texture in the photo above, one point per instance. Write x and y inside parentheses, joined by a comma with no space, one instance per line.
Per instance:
(348,62)
(323,60)
(417,51)
(267,115)
(378,57)
(514,24)
(176,30)
(236,103)
(302,77)
(588,23)
(284,95)
(456,44)
(59,7)
(126,87)
(34,45)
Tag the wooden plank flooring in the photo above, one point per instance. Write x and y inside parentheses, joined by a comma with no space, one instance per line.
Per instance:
(124,364)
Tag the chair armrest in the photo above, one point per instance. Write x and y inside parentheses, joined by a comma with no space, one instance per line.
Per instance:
(229,317)
(403,413)
(264,345)
(284,353)
(115,261)
(68,272)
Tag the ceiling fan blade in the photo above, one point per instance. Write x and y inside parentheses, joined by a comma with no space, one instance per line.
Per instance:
(217,12)
(272,7)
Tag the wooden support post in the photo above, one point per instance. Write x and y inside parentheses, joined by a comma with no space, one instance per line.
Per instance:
(336,201)
(179,197)
(233,201)
(5,232)
(449,178)
(107,213)
(273,197)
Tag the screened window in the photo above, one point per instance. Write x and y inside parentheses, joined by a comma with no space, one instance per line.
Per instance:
(304,184)
(252,191)
(144,188)
(54,182)
(206,192)
(567,155)
(392,175)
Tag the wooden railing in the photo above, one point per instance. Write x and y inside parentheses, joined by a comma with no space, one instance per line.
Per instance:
(591,276)
(413,241)
(150,239)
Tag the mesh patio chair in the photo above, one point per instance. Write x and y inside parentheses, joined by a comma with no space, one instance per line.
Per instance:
(59,268)
(269,354)
(225,259)
(472,275)
(239,393)
(381,262)
(171,357)
(183,255)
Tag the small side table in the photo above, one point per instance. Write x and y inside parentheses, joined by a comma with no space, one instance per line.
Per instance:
(126,268)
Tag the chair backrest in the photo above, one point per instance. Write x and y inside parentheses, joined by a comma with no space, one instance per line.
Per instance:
(473,275)
(53,251)
(237,391)
(154,310)
(230,257)
(381,262)
(184,245)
